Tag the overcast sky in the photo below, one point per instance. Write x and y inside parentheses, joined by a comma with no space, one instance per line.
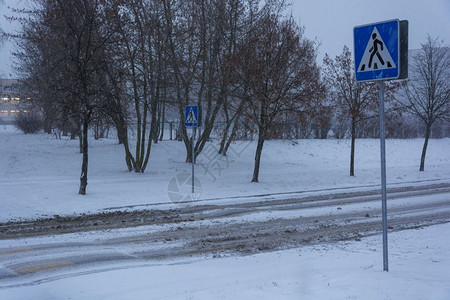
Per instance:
(331,22)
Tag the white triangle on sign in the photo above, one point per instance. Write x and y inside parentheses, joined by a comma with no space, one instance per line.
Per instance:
(376,56)
(191,119)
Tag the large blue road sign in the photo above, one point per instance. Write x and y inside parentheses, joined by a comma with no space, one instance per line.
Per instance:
(377,51)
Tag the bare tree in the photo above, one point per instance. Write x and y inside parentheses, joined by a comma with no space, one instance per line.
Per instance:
(67,39)
(241,24)
(197,35)
(78,24)
(184,51)
(2,36)
(278,66)
(351,98)
(217,27)
(138,73)
(428,91)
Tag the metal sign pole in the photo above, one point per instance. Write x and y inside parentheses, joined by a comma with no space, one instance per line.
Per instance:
(193,158)
(383,179)
(381,53)
(192,119)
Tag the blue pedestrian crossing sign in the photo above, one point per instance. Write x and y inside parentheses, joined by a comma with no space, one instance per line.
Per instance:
(191,116)
(379,50)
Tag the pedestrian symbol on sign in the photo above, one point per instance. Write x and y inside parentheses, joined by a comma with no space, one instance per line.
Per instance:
(376,55)
(374,50)
(191,117)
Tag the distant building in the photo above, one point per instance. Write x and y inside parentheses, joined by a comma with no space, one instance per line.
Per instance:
(9,100)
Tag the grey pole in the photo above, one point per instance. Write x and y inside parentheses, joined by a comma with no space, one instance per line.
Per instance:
(383,179)
(193,157)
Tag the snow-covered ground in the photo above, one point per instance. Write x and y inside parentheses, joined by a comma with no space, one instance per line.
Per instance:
(419,269)
(39,178)
(40,174)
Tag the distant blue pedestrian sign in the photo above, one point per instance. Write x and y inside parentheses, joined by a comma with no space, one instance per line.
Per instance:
(191,116)
(377,51)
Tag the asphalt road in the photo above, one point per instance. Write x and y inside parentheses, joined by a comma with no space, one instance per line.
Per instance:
(48,249)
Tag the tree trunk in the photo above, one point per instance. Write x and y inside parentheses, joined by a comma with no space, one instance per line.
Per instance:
(80,136)
(324,132)
(352,151)
(153,133)
(157,129)
(207,125)
(224,137)
(97,131)
(226,129)
(47,124)
(189,147)
(163,120)
(424,149)
(261,139)
(121,129)
(129,159)
(122,134)
(84,165)
(232,136)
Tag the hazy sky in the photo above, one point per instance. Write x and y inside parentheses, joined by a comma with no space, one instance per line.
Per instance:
(331,22)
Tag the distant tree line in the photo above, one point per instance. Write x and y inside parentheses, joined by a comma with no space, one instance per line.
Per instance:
(245,63)
(413,107)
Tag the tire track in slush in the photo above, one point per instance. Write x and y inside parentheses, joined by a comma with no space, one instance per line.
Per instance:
(205,230)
